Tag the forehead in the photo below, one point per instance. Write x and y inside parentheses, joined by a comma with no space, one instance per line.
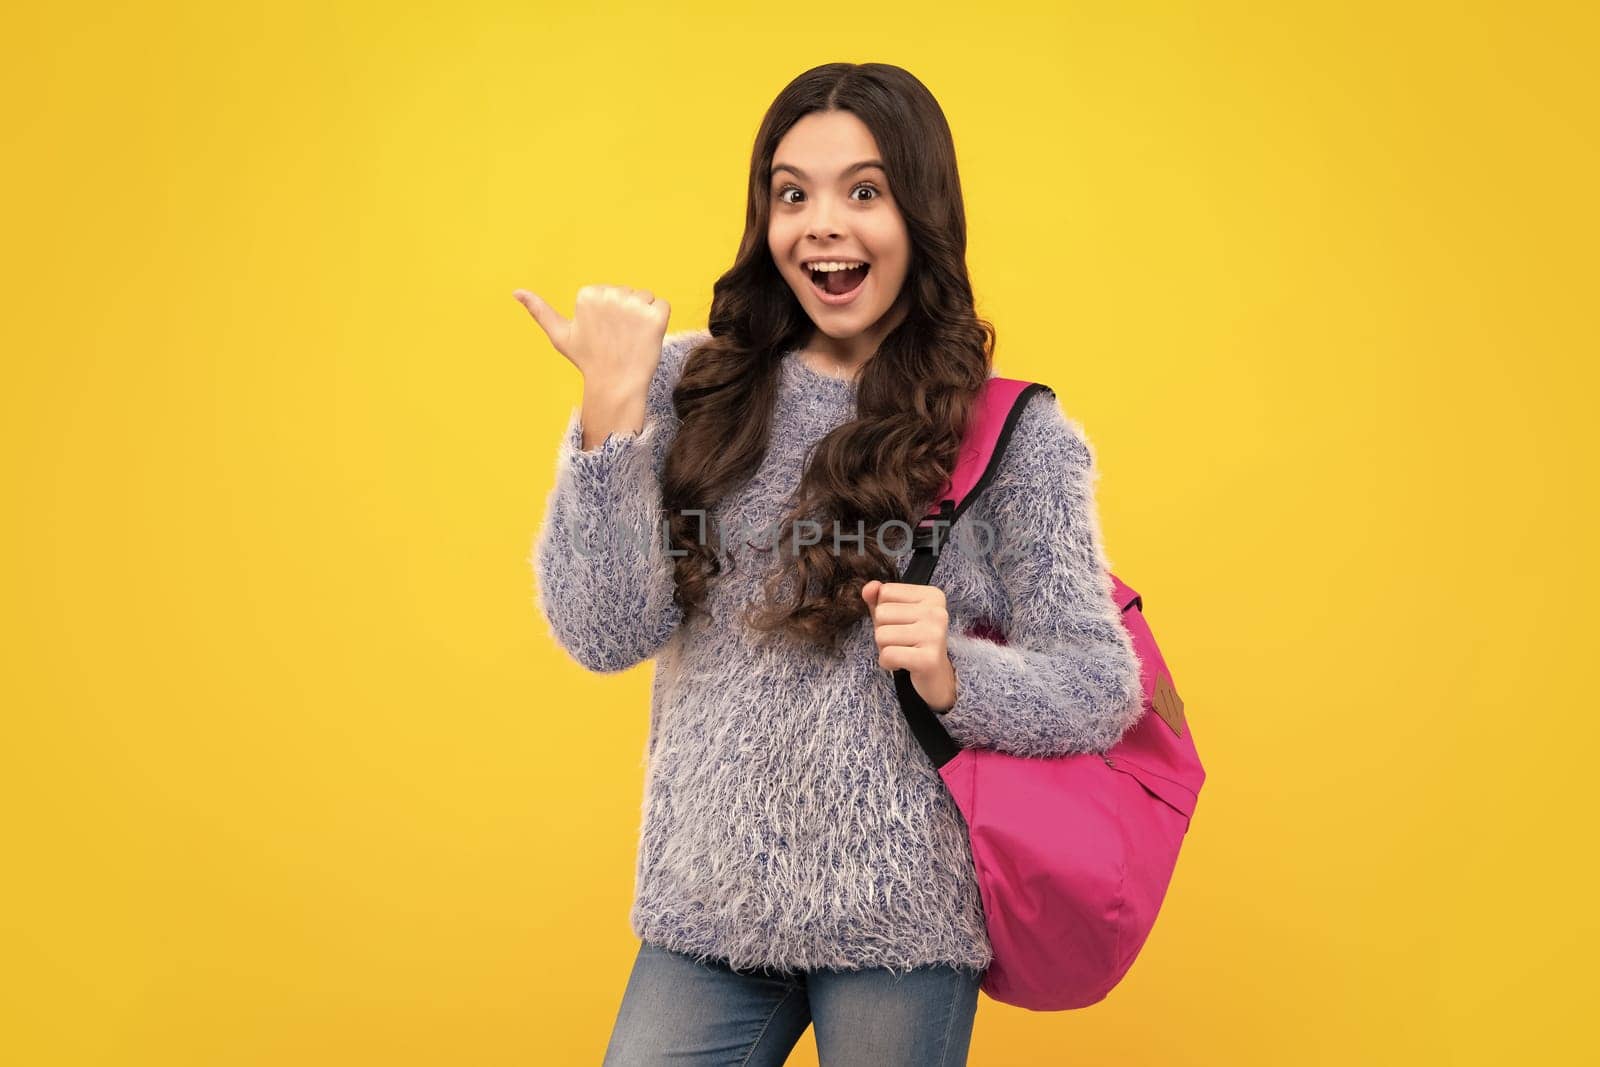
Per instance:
(824,143)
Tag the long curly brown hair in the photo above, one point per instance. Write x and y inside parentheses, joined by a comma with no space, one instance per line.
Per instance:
(914,397)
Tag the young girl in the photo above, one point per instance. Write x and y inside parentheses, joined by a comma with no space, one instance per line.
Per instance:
(721,504)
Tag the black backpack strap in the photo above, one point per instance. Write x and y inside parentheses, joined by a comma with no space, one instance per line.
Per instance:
(927,539)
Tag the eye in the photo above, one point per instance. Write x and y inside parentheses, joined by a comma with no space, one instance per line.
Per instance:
(783,194)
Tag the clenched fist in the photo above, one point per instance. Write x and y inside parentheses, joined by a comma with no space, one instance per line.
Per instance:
(910,624)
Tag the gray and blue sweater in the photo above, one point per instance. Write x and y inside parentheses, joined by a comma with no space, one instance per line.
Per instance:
(790,818)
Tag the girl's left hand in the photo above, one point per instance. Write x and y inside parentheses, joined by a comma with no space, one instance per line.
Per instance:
(910,623)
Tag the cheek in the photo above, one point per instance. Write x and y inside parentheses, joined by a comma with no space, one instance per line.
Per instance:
(780,246)
(895,261)
(893,247)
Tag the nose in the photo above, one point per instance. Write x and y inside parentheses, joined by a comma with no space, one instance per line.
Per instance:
(820,222)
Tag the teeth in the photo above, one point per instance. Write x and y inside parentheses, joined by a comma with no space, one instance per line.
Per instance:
(831,265)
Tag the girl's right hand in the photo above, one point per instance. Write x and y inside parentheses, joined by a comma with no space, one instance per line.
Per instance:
(614,337)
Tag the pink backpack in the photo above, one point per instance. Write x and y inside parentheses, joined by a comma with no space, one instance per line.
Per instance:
(1073,853)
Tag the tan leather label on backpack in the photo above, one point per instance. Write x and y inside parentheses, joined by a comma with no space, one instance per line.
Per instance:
(1168,705)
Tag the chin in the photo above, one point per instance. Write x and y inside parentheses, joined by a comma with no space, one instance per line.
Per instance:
(839,331)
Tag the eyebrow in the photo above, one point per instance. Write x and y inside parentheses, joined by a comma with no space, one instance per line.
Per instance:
(851,169)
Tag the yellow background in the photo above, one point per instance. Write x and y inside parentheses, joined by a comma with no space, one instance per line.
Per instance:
(293,771)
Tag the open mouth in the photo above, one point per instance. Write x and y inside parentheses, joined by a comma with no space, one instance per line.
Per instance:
(839,282)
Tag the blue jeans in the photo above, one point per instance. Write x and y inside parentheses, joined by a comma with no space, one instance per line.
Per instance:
(678,1011)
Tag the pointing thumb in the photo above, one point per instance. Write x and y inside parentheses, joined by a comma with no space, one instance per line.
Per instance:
(550,321)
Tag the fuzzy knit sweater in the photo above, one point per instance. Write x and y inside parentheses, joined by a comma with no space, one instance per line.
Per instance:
(790,819)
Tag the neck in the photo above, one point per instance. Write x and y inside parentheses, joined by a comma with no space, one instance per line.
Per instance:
(845,357)
(839,357)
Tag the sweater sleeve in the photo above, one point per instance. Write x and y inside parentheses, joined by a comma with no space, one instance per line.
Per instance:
(604,577)
(1067,679)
